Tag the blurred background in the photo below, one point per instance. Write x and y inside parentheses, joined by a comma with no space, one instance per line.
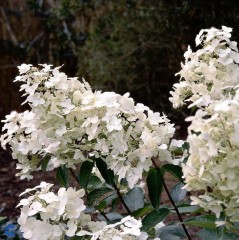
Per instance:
(131,46)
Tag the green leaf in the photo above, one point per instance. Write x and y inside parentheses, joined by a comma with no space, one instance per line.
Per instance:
(187,208)
(204,221)
(209,234)
(62,175)
(85,173)
(102,205)
(172,232)
(177,193)
(153,218)
(106,173)
(113,216)
(134,199)
(94,182)
(155,186)
(174,170)
(78,238)
(142,211)
(44,162)
(96,196)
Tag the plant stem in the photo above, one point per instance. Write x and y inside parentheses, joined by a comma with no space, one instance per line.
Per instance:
(104,215)
(173,203)
(121,198)
(101,212)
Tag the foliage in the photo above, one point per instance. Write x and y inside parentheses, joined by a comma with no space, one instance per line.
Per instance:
(110,145)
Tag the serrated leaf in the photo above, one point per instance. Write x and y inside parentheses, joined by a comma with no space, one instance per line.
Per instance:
(155,186)
(134,199)
(106,173)
(206,234)
(62,175)
(174,170)
(97,195)
(204,221)
(154,218)
(44,162)
(177,193)
(85,173)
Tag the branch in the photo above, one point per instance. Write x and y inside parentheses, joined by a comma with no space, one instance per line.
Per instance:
(173,203)
(121,198)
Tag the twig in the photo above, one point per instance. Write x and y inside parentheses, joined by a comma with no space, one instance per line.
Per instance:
(104,215)
(174,205)
(121,198)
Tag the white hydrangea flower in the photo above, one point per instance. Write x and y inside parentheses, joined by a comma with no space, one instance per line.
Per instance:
(211,80)
(58,214)
(211,72)
(127,229)
(69,122)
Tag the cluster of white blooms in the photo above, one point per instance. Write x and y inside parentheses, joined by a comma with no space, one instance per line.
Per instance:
(127,229)
(210,82)
(69,123)
(210,73)
(49,216)
(45,215)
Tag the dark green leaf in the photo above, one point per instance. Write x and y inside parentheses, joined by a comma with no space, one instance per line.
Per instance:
(205,221)
(97,195)
(106,173)
(143,211)
(155,186)
(62,176)
(172,232)
(44,162)
(188,208)
(85,173)
(102,205)
(153,218)
(177,193)
(94,182)
(206,234)
(134,199)
(78,238)
(113,216)
(174,170)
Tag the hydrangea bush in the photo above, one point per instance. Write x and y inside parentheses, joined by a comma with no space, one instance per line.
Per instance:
(209,85)
(118,152)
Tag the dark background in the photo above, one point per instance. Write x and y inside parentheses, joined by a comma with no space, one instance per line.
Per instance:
(131,46)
